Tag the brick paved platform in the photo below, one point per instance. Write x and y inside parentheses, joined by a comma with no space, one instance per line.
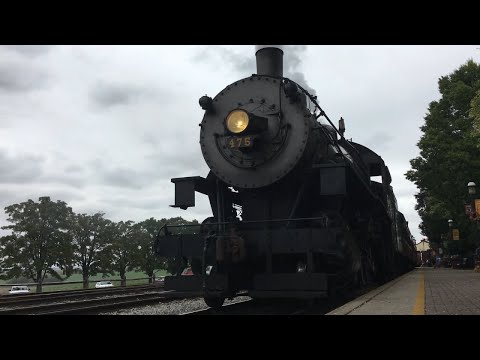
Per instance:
(452,292)
(423,291)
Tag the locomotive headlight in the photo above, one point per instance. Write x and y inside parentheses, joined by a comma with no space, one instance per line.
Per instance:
(237,121)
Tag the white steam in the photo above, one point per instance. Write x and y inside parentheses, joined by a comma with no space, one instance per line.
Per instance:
(292,60)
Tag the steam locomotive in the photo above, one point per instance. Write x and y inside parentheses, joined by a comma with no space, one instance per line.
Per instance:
(295,211)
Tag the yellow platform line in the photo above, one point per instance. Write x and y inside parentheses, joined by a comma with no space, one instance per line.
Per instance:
(419,307)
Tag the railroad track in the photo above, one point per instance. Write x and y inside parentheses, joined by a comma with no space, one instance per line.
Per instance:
(20,300)
(78,291)
(89,302)
(93,306)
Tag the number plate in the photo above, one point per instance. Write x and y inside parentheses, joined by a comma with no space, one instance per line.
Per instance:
(239,142)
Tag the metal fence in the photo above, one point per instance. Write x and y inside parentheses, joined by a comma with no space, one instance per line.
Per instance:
(33,286)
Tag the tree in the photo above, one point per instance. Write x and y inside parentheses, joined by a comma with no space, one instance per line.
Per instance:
(475,114)
(40,240)
(124,247)
(146,260)
(449,155)
(91,235)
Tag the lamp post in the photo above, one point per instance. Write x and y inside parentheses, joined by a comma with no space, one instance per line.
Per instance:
(472,190)
(450,232)
(472,213)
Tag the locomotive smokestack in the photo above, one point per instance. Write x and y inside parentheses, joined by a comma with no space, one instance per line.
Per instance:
(269,60)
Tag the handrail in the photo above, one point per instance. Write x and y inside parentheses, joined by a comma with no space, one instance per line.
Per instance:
(248,222)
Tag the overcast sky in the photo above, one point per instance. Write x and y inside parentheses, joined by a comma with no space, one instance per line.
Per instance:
(105,128)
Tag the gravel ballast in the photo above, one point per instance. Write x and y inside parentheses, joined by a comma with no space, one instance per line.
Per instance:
(175,307)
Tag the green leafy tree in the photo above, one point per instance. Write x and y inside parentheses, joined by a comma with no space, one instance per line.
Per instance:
(449,156)
(91,237)
(146,260)
(40,240)
(124,248)
(475,114)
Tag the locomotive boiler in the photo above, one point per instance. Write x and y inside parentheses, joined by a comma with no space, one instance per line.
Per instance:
(295,212)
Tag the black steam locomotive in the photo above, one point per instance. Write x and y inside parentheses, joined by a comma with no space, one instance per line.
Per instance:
(295,211)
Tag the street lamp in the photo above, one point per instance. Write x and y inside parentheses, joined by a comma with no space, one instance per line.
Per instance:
(470,208)
(471,193)
(473,216)
(472,188)
(450,229)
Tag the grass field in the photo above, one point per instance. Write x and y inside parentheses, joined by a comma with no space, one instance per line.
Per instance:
(47,287)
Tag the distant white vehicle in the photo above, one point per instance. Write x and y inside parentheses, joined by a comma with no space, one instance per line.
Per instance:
(103,284)
(19,290)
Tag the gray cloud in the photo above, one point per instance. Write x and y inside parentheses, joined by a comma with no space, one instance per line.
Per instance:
(123,178)
(29,50)
(68,179)
(73,169)
(106,95)
(241,63)
(151,139)
(20,168)
(172,154)
(379,141)
(20,77)
(154,167)
(147,203)
(28,168)
(171,163)
(103,173)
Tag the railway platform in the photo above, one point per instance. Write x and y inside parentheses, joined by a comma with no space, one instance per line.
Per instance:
(423,291)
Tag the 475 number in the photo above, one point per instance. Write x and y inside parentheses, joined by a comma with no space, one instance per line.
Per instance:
(239,142)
